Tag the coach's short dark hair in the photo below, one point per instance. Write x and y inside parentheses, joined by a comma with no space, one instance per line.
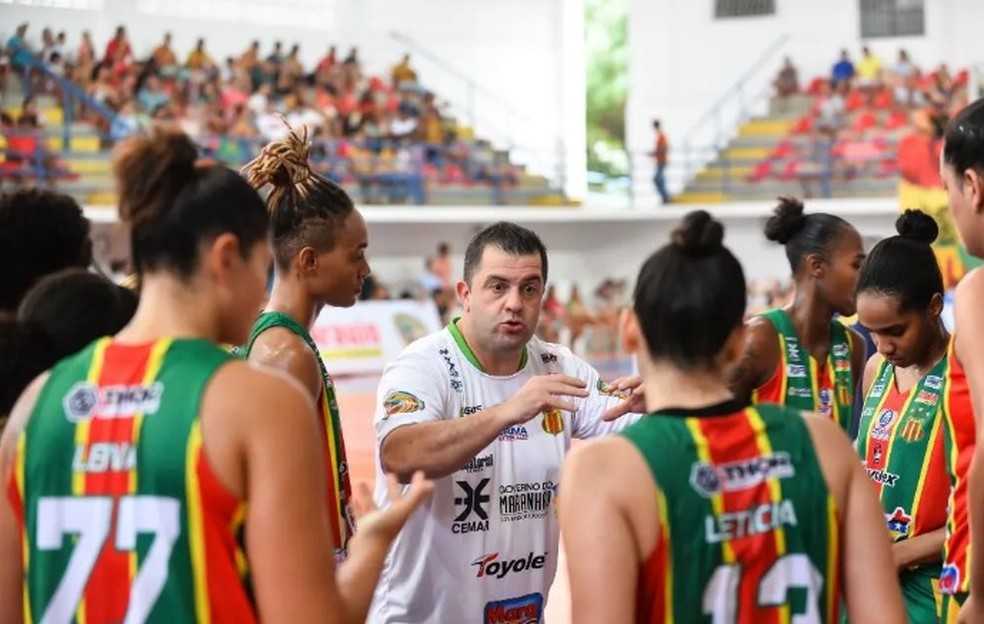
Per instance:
(510,238)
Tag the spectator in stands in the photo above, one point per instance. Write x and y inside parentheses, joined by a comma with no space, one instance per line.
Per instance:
(291,71)
(249,61)
(118,50)
(85,60)
(47,44)
(164,57)
(41,232)
(199,59)
(830,117)
(277,56)
(441,265)
(18,48)
(787,82)
(325,69)
(152,94)
(843,71)
(869,73)
(428,279)
(58,47)
(402,73)
(660,153)
(28,118)
(351,70)
(404,125)
(902,77)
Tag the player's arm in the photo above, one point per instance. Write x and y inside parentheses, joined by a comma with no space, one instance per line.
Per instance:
(924,548)
(439,443)
(11,554)
(758,359)
(870,371)
(288,539)
(871,584)
(607,527)
(283,350)
(970,352)
(859,361)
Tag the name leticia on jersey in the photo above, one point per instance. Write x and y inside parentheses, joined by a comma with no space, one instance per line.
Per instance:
(749,522)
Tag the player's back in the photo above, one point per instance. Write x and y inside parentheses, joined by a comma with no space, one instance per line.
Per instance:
(748,527)
(122,518)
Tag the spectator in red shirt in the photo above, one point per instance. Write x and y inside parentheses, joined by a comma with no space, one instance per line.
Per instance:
(118,49)
(919,153)
(661,154)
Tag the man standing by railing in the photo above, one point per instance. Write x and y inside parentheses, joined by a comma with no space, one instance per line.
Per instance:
(660,154)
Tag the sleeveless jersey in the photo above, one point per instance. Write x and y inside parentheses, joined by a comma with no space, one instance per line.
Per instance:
(801,383)
(900,441)
(336,465)
(121,517)
(748,528)
(960,430)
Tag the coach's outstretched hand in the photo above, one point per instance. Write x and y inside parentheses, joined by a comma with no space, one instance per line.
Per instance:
(543,393)
(635,403)
(386,523)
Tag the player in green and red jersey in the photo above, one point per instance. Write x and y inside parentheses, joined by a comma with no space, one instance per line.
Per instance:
(709,509)
(800,356)
(910,394)
(962,170)
(319,244)
(145,478)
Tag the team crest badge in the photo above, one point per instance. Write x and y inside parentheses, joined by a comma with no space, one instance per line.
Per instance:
(553,422)
(898,523)
(912,430)
(949,579)
(400,402)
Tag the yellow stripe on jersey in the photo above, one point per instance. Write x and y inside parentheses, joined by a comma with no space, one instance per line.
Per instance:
(238,519)
(833,572)
(25,549)
(764,446)
(153,368)
(664,526)
(717,499)
(927,460)
(196,529)
(336,481)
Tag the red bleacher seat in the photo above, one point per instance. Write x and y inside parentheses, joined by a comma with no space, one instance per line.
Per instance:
(898,119)
(887,168)
(782,150)
(864,122)
(803,125)
(760,172)
(789,171)
(962,78)
(816,86)
(883,100)
(855,100)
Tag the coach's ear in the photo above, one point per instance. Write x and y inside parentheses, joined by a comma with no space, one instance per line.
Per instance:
(628,325)
(464,295)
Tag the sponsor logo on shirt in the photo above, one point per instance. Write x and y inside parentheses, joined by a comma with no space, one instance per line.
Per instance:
(826,406)
(877,454)
(748,522)
(883,477)
(927,398)
(525,501)
(801,393)
(473,505)
(606,389)
(840,350)
(401,402)
(85,400)
(526,609)
(489,566)
(883,424)
(548,357)
(453,373)
(709,479)
(553,422)
(792,350)
(514,433)
(842,366)
(898,523)
(949,579)
(877,390)
(479,464)
(796,370)
(934,382)
(468,410)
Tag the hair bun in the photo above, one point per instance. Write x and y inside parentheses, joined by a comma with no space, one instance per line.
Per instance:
(918,226)
(699,234)
(282,163)
(786,220)
(150,170)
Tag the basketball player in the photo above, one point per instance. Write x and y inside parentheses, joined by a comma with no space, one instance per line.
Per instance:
(910,392)
(41,232)
(962,170)
(799,356)
(708,509)
(319,247)
(147,477)
(488,411)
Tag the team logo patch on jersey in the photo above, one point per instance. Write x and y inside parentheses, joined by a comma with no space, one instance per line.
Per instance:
(85,401)
(526,609)
(606,389)
(882,425)
(400,402)
(553,422)
(949,579)
(843,395)
(709,479)
(898,523)
(912,430)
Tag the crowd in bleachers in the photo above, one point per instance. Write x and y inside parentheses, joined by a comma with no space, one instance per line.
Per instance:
(859,115)
(361,125)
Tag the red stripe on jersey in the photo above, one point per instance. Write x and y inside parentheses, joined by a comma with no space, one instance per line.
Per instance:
(962,430)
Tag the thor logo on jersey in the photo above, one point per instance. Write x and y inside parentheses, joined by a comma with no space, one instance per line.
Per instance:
(709,479)
(85,401)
